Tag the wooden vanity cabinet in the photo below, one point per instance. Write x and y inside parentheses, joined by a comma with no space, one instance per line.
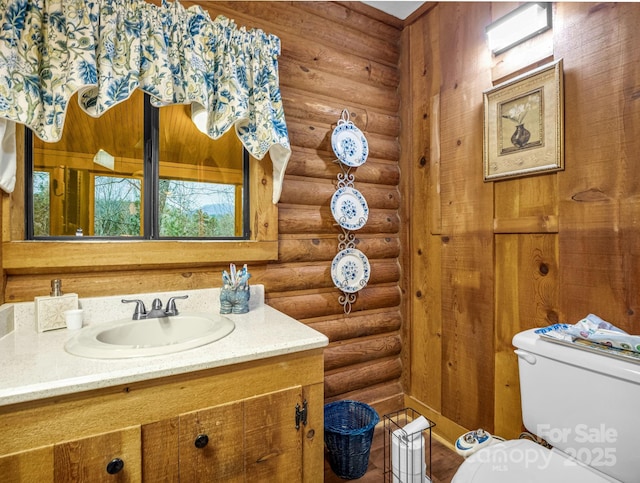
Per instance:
(234,423)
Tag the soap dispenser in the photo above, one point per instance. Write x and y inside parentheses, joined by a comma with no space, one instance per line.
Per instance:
(49,310)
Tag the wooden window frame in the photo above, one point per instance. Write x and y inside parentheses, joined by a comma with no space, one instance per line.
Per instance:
(43,256)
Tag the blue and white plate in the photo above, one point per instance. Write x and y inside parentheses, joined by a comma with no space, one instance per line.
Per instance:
(350,270)
(349,144)
(349,208)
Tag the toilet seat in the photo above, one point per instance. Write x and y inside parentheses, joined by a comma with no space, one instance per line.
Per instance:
(524,461)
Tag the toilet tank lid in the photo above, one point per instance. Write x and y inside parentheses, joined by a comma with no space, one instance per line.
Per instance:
(531,342)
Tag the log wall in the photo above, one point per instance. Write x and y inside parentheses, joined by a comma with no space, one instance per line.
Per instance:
(341,56)
(335,56)
(491,259)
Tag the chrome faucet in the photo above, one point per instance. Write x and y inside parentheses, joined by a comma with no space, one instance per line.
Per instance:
(156,311)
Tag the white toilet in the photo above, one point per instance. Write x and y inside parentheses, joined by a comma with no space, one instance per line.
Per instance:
(586,405)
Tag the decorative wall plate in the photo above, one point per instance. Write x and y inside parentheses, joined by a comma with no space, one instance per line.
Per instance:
(349,208)
(349,144)
(350,270)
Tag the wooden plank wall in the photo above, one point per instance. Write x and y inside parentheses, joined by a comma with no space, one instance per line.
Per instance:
(492,259)
(335,56)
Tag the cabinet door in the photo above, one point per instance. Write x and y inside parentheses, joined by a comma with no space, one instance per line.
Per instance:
(34,465)
(250,440)
(211,445)
(108,457)
(273,445)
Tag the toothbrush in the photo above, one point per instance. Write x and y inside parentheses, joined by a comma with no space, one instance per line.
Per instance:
(234,280)
(225,278)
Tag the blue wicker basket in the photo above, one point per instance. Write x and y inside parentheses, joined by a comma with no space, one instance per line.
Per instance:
(348,431)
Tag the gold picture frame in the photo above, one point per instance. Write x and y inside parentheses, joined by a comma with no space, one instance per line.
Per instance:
(524,125)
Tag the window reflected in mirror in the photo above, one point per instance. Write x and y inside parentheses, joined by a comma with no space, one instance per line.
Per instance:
(100,181)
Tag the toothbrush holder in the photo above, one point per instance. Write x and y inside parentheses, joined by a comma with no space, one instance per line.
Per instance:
(234,300)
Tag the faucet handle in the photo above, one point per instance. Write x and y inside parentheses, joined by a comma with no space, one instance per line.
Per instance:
(156,304)
(140,311)
(171,305)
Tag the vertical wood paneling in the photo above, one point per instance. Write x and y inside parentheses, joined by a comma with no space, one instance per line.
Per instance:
(526,290)
(467,219)
(424,260)
(531,251)
(526,281)
(600,188)
(406,213)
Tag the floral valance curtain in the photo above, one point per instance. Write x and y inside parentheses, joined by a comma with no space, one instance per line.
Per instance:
(105,49)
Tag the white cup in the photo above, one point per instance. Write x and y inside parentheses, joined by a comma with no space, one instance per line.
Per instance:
(73,319)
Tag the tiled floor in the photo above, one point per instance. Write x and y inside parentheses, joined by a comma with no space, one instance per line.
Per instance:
(444,463)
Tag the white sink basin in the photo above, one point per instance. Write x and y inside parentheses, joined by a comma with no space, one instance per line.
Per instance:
(148,337)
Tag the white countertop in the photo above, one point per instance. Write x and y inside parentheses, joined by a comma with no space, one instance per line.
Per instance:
(36,366)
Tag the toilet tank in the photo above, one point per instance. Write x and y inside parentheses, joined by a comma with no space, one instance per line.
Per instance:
(583,403)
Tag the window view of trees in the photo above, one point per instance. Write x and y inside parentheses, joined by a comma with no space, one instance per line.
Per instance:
(41,203)
(187,209)
(190,209)
(117,206)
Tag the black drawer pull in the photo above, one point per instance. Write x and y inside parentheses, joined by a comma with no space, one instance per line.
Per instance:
(201,441)
(115,466)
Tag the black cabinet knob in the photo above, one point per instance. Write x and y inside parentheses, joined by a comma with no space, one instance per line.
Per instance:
(115,466)
(201,441)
